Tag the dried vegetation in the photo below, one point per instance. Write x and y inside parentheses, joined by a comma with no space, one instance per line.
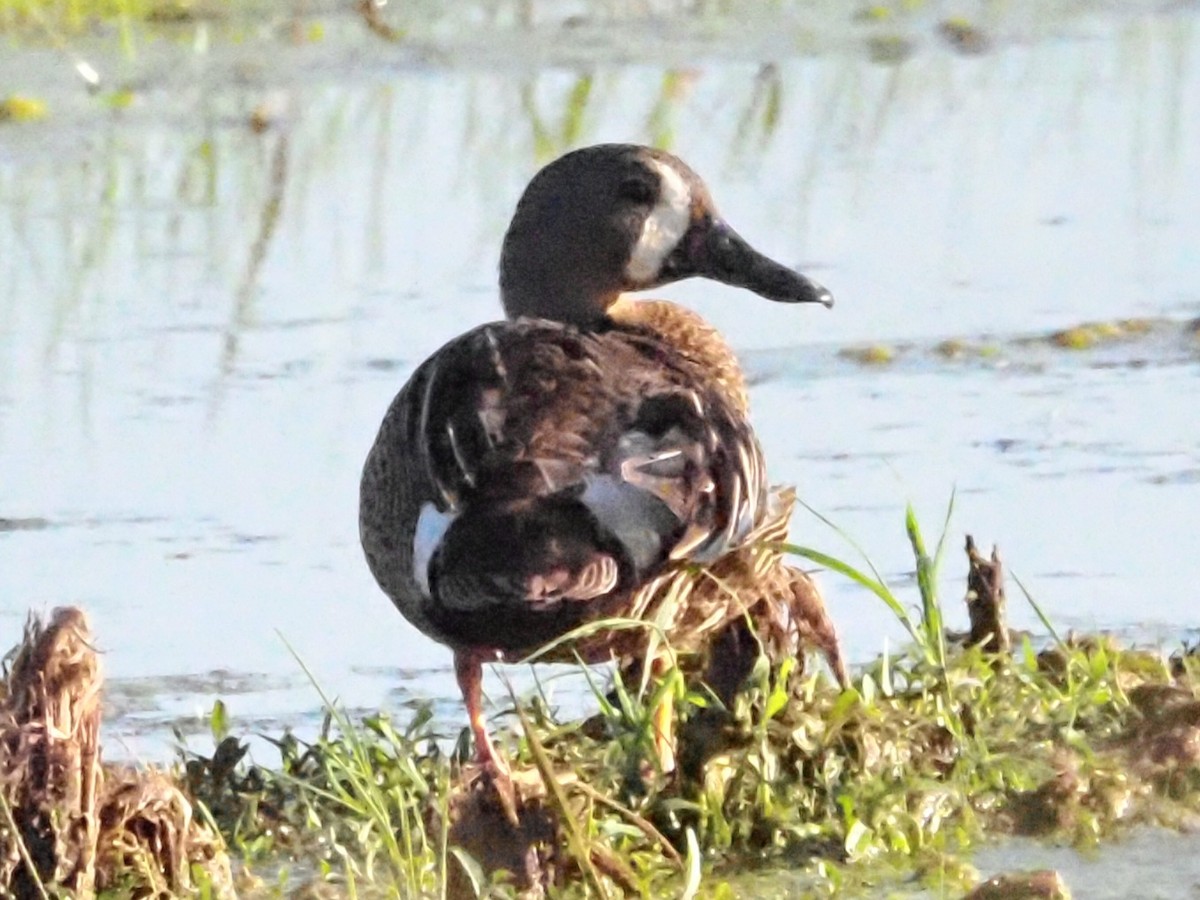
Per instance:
(69,823)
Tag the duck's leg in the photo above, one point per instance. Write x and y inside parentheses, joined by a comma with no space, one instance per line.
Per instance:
(468,669)
(663,720)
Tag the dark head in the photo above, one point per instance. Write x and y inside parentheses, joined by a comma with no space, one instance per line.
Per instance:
(620,217)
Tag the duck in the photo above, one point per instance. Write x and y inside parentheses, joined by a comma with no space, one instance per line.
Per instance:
(571,463)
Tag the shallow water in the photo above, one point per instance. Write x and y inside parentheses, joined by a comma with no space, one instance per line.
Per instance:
(1146,864)
(201,324)
(1149,864)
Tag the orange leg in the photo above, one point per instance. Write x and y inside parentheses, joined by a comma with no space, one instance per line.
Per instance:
(468,669)
(663,721)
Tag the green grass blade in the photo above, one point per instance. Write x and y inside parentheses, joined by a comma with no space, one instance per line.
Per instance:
(940,553)
(932,634)
(874,585)
(576,839)
(845,536)
(692,868)
(358,772)
(1037,609)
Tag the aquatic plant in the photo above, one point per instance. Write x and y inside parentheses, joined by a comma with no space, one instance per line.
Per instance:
(930,751)
(795,784)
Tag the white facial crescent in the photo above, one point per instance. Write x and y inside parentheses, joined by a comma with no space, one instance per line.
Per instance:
(664,227)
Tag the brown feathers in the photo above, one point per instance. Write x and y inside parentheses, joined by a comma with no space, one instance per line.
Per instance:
(562,464)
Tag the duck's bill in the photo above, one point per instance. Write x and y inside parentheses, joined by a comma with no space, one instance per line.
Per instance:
(718,252)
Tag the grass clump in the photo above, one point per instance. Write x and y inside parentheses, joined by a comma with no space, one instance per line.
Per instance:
(70,825)
(902,773)
(365,802)
(928,752)
(795,784)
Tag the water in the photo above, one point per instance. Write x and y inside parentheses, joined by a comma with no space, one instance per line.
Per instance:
(1149,863)
(201,324)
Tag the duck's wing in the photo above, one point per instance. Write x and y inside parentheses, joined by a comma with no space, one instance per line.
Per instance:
(530,475)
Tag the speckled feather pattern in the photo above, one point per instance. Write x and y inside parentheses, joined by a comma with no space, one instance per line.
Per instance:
(513,418)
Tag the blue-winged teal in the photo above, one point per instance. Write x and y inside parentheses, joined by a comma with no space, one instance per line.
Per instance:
(538,473)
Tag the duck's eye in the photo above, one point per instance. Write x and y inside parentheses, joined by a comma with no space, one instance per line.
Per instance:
(638,190)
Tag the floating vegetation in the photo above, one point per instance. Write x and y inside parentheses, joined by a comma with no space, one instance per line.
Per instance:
(953,348)
(122,98)
(76,14)
(870,355)
(1134,341)
(963,36)
(963,349)
(890,49)
(1090,334)
(16,108)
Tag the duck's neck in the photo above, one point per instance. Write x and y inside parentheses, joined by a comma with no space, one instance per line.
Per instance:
(574,298)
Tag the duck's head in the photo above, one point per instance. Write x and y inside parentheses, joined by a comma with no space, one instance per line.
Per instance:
(620,217)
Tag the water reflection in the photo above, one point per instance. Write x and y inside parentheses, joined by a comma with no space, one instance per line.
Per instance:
(208,298)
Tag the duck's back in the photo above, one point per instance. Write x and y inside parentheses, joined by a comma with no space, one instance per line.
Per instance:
(530,476)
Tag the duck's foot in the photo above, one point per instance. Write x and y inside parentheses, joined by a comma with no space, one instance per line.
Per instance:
(515,789)
(502,820)
(498,777)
